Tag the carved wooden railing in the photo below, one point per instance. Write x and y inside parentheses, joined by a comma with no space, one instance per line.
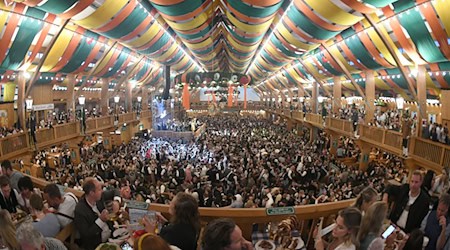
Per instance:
(431,153)
(316,119)
(57,134)
(339,124)
(244,217)
(146,114)
(383,138)
(45,134)
(128,117)
(298,115)
(13,144)
(66,130)
(104,122)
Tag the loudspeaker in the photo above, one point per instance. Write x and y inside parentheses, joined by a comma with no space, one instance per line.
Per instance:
(166,72)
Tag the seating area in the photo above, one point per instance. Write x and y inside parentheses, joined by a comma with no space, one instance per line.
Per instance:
(224,124)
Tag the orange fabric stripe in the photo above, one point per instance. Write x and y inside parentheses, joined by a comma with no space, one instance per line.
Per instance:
(141,27)
(124,13)
(320,67)
(306,10)
(187,16)
(152,41)
(435,26)
(358,6)
(124,66)
(365,39)
(80,6)
(330,59)
(111,61)
(92,55)
(248,19)
(404,42)
(42,36)
(69,50)
(10,28)
(32,3)
(299,32)
(198,29)
(440,78)
(265,3)
(166,2)
(349,54)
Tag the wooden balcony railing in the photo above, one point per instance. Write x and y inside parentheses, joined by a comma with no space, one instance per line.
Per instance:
(104,122)
(314,118)
(65,130)
(434,153)
(371,133)
(14,143)
(128,117)
(297,115)
(244,217)
(91,124)
(146,114)
(429,153)
(45,134)
(387,139)
(339,124)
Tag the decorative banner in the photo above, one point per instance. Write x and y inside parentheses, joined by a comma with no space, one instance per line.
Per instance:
(43,107)
(186,101)
(208,78)
(230,96)
(245,96)
(4,118)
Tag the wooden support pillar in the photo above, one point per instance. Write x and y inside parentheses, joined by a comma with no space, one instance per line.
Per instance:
(21,85)
(104,100)
(128,97)
(314,109)
(370,96)
(70,94)
(144,98)
(365,156)
(314,99)
(337,94)
(334,141)
(422,98)
(289,124)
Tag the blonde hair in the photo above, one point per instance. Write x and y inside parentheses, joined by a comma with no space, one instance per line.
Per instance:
(8,230)
(352,221)
(150,241)
(373,220)
(366,195)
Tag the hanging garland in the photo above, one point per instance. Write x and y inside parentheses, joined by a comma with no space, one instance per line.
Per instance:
(211,80)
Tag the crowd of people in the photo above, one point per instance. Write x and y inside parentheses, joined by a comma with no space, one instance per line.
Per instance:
(237,163)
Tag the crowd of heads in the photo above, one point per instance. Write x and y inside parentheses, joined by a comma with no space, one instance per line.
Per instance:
(237,162)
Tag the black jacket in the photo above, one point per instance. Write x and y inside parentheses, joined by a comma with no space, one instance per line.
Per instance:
(183,236)
(84,221)
(417,211)
(9,204)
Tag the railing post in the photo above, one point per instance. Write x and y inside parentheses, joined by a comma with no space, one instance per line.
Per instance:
(441,162)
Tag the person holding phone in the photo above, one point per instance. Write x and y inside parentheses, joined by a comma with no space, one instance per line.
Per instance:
(369,233)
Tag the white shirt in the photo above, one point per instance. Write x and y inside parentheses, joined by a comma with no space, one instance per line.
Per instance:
(106,232)
(401,222)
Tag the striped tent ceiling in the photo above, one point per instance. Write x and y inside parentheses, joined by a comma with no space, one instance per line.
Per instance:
(280,44)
